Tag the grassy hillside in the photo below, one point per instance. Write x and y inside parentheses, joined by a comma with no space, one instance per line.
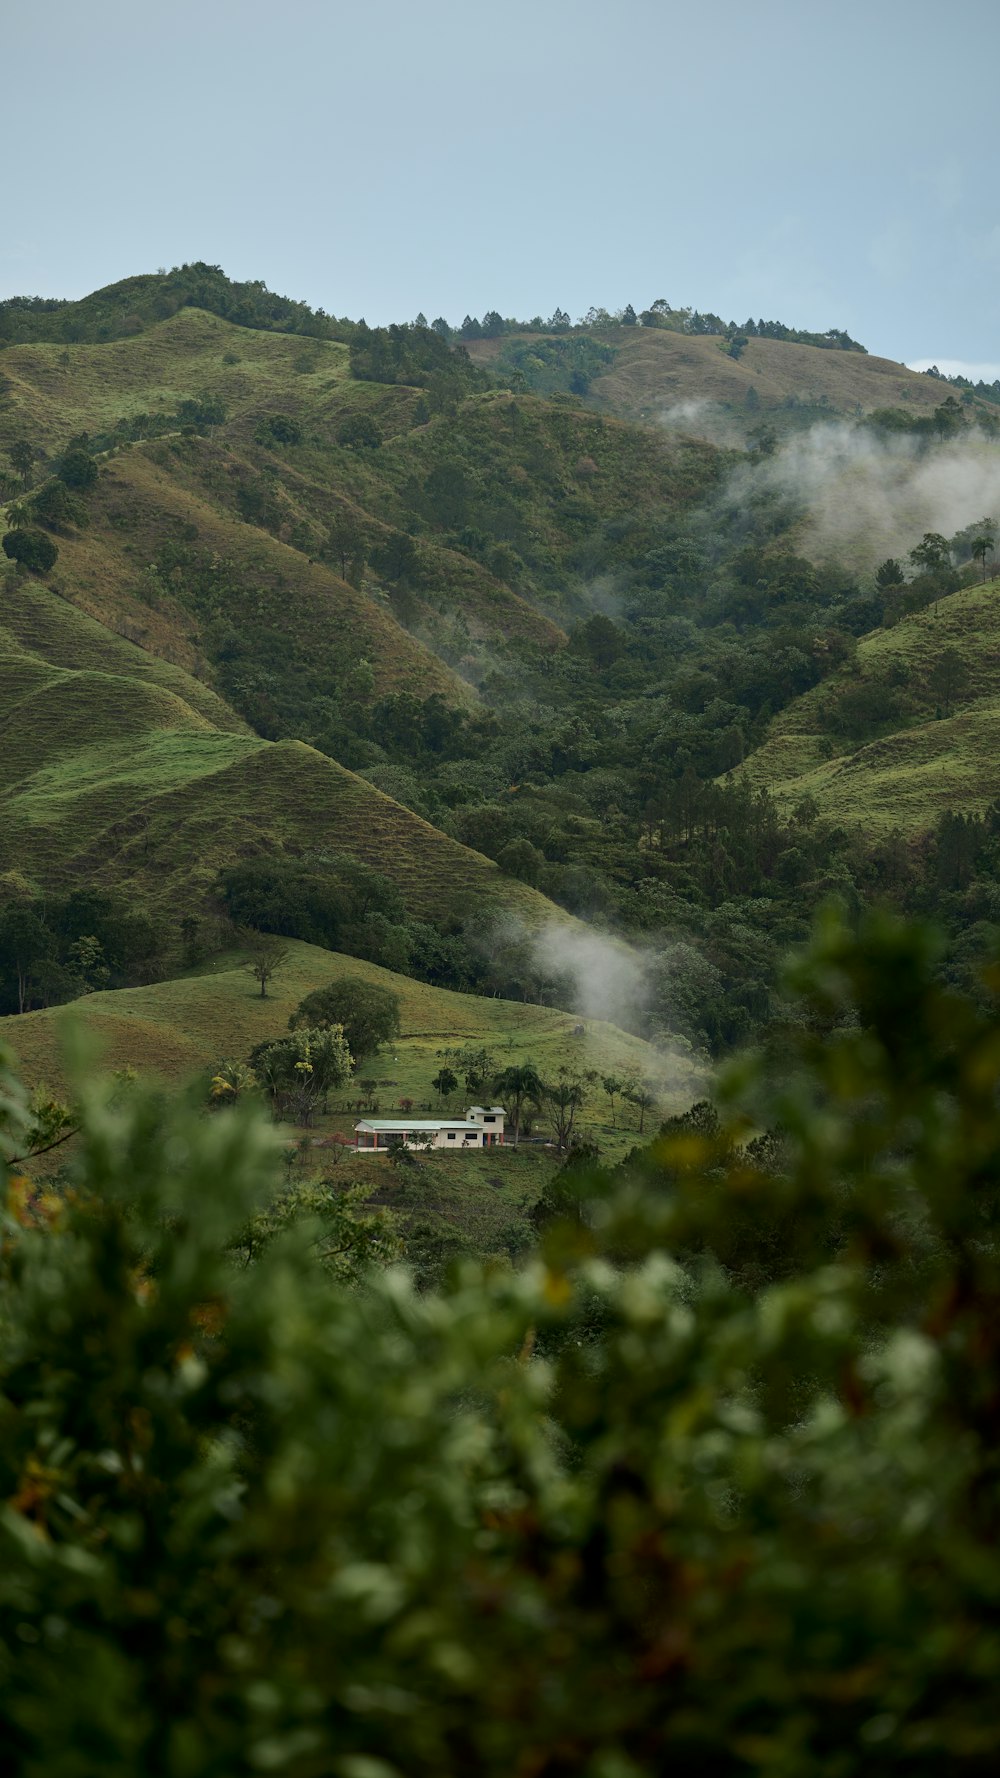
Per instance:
(905,731)
(524,464)
(39,623)
(57,391)
(113,781)
(178,1028)
(653,371)
(294,603)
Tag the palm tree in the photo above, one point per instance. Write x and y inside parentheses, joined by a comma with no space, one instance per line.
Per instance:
(643,1100)
(612,1085)
(513,1087)
(565,1098)
(981,548)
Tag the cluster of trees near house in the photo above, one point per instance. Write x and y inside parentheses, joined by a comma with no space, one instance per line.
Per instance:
(336,1029)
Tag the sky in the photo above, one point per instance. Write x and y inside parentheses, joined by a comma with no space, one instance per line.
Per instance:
(823,165)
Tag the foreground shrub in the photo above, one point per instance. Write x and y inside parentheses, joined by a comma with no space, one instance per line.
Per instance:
(708,1485)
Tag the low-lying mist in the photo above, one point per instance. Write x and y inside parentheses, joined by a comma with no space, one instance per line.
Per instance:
(867,496)
(627,986)
(864,495)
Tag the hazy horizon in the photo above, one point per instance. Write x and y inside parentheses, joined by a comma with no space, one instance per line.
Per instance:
(448,161)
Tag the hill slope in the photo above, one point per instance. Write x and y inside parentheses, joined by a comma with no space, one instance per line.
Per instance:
(110,780)
(654,373)
(906,731)
(186,1026)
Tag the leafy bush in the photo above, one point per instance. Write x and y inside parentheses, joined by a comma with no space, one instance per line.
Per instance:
(728,1441)
(367,1014)
(77,469)
(280,429)
(360,432)
(299,1071)
(57,509)
(33,549)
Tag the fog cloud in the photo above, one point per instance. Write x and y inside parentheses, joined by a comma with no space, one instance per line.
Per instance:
(865,496)
(624,985)
(701,418)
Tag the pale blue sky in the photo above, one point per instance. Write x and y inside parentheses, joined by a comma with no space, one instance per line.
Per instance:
(823,164)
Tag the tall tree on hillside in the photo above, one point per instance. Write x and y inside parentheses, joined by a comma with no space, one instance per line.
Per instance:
(22,455)
(931,555)
(643,1100)
(612,1085)
(445,1082)
(347,545)
(26,943)
(982,547)
(948,678)
(297,1072)
(267,954)
(890,575)
(515,1085)
(367,1013)
(564,1099)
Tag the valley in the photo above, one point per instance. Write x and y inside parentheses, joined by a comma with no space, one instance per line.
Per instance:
(408,647)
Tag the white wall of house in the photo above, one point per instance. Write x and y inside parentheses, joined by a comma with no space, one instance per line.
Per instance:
(481,1127)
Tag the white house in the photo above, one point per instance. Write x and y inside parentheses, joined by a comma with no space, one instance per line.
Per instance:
(481,1127)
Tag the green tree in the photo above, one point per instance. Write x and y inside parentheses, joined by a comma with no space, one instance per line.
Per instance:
(890,575)
(267,956)
(564,1098)
(519,858)
(360,432)
(27,944)
(601,640)
(445,1082)
(368,1015)
(33,549)
(347,546)
(514,1086)
(612,1084)
(643,1098)
(86,960)
(948,678)
(280,429)
(232,1082)
(983,546)
(22,455)
(932,554)
(298,1072)
(477,1065)
(77,469)
(57,509)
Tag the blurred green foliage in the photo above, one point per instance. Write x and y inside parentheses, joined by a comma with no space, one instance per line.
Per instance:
(708,1484)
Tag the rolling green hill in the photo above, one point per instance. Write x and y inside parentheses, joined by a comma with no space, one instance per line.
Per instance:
(62,390)
(112,780)
(187,1026)
(38,624)
(653,371)
(906,731)
(302,563)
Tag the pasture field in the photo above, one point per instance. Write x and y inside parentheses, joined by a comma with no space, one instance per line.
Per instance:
(68,389)
(186,1027)
(655,370)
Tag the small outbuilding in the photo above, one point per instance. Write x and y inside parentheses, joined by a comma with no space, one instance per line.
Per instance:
(481,1127)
